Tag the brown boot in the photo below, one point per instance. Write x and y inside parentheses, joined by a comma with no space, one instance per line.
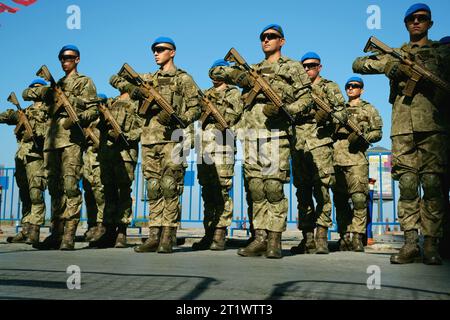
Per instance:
(307,245)
(98,233)
(33,234)
(151,244)
(205,241)
(68,240)
(257,247)
(274,245)
(430,251)
(410,250)
(345,242)
(121,239)
(53,241)
(322,240)
(218,241)
(357,243)
(90,233)
(166,243)
(20,237)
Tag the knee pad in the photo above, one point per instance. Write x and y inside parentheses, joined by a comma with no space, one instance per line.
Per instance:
(432,186)
(256,189)
(36,196)
(71,187)
(273,190)
(153,189)
(169,187)
(359,201)
(408,186)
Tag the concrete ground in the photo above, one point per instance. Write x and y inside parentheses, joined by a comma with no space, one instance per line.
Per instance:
(26,273)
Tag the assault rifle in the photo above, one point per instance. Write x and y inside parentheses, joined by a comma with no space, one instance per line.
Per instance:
(417,71)
(23,119)
(152,94)
(213,111)
(111,121)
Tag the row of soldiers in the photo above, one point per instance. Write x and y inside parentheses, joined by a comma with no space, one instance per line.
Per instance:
(296,114)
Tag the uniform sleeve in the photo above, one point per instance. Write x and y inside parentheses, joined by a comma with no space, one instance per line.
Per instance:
(191,99)
(374,64)
(234,108)
(299,80)
(235,75)
(38,94)
(375,132)
(336,99)
(9,117)
(85,101)
(134,134)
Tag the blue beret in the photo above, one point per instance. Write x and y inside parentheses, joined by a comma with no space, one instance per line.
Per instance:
(37,81)
(163,40)
(310,55)
(355,79)
(445,40)
(220,62)
(68,47)
(102,96)
(417,7)
(275,27)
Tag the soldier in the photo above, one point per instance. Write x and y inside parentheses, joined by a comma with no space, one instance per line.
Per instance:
(266,137)
(419,137)
(64,143)
(352,167)
(312,161)
(216,166)
(30,172)
(162,165)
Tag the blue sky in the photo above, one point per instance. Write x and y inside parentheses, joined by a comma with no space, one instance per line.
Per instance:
(114,32)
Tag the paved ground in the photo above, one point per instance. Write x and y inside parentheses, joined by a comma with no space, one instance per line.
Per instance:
(26,273)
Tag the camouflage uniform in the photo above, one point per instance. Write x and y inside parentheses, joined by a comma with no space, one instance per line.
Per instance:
(64,148)
(419,137)
(163,156)
(30,173)
(352,168)
(216,166)
(267,145)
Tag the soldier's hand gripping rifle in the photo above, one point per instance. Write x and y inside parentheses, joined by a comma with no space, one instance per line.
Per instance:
(260,84)
(151,93)
(23,120)
(111,121)
(417,71)
(211,110)
(349,124)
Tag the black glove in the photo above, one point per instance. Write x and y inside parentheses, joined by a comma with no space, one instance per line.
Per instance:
(397,71)
(270,110)
(321,116)
(244,80)
(356,141)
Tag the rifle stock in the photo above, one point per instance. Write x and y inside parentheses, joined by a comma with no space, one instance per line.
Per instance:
(23,119)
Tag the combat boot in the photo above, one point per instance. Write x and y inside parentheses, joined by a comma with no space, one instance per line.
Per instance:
(274,245)
(307,245)
(22,236)
(166,243)
(205,241)
(33,234)
(53,241)
(345,243)
(410,250)
(430,251)
(218,241)
(98,233)
(257,247)
(121,239)
(357,242)
(90,233)
(322,240)
(151,244)
(107,240)
(68,239)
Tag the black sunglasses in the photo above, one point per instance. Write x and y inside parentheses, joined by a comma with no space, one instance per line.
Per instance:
(160,49)
(353,86)
(311,65)
(269,36)
(420,18)
(67,58)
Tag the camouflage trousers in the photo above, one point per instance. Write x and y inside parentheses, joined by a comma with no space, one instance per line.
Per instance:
(64,167)
(164,168)
(117,176)
(352,182)
(94,191)
(31,180)
(215,175)
(313,174)
(266,170)
(420,160)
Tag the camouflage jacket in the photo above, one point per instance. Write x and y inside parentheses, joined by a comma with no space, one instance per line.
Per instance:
(423,112)
(310,134)
(181,92)
(81,92)
(368,119)
(289,80)
(37,117)
(124,111)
